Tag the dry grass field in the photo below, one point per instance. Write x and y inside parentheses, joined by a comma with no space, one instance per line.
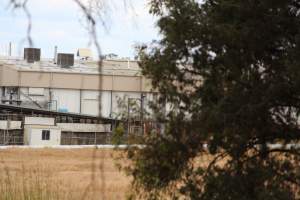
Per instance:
(61,174)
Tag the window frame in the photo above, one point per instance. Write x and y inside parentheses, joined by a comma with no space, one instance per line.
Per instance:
(45,135)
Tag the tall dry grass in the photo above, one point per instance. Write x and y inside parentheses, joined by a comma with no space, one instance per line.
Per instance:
(30,184)
(52,174)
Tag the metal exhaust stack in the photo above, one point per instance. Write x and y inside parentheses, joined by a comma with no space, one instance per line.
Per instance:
(9,49)
(55,55)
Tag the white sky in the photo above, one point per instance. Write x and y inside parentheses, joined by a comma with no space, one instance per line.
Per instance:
(58,22)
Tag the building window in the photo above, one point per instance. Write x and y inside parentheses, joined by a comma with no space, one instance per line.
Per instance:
(45,134)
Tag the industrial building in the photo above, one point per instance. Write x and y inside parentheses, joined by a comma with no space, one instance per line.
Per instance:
(21,125)
(68,87)
(71,87)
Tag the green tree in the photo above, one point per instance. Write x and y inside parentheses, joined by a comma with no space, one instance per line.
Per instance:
(230,70)
(118,133)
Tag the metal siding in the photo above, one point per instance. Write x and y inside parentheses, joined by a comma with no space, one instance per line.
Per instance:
(127,83)
(89,102)
(89,94)
(36,91)
(35,79)
(90,82)
(42,100)
(67,99)
(90,107)
(39,121)
(106,104)
(9,76)
(107,82)
(68,81)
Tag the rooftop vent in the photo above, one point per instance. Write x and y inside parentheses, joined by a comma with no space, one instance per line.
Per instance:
(65,59)
(32,55)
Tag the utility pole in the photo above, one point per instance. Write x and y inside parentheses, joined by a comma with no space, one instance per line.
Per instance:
(128,115)
(142,112)
(55,55)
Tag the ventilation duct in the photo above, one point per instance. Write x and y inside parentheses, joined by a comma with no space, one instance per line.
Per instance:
(65,60)
(32,55)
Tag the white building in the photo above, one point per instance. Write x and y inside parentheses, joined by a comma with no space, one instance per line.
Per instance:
(41,132)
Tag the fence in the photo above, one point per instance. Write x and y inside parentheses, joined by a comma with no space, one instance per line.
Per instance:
(71,138)
(11,137)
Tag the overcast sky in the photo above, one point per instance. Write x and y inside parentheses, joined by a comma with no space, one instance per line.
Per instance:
(59,22)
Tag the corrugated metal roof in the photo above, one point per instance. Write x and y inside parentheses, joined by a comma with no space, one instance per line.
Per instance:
(28,110)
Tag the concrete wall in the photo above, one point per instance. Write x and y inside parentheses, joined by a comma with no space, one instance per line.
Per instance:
(39,121)
(33,135)
(11,76)
(11,125)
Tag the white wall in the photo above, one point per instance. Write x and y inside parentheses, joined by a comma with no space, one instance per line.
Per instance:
(67,99)
(106,104)
(33,136)
(90,102)
(39,121)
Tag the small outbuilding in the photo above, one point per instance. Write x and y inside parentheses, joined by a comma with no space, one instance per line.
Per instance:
(41,132)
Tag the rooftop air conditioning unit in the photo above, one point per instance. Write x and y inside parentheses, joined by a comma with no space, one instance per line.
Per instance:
(65,60)
(32,55)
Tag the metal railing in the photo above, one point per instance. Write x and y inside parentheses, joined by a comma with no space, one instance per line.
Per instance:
(11,140)
(86,140)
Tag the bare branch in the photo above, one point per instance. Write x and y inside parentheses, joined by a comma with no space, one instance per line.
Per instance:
(23,5)
(92,28)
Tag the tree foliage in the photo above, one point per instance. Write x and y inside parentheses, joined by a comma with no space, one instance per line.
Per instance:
(230,70)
